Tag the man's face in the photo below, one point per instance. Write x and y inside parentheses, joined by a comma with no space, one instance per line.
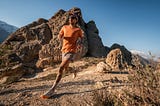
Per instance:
(72,21)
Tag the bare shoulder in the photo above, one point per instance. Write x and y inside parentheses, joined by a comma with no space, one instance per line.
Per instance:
(65,26)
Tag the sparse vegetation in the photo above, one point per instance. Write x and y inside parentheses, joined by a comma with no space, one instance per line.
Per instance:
(142,89)
(145,84)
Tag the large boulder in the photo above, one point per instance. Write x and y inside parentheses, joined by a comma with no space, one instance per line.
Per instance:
(49,55)
(11,73)
(119,57)
(29,51)
(102,67)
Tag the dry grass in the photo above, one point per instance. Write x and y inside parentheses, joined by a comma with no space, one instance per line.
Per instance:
(142,89)
(145,86)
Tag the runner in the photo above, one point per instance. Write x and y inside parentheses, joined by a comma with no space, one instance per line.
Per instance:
(70,35)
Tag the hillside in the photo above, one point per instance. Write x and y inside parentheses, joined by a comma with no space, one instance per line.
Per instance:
(70,92)
(89,88)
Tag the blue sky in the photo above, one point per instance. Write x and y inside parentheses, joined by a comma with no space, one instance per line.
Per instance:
(132,23)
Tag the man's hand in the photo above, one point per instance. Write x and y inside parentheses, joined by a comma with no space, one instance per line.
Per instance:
(79,46)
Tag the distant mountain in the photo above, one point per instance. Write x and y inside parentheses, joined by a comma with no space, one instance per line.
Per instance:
(5,30)
(145,55)
(140,53)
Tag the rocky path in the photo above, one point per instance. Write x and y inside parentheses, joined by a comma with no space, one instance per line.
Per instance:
(78,91)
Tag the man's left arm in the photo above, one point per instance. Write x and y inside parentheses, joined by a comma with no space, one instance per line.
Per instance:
(80,38)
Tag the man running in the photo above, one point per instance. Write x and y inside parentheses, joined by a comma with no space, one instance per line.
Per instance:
(69,34)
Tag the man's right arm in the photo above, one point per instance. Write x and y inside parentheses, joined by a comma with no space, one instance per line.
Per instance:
(61,33)
(59,36)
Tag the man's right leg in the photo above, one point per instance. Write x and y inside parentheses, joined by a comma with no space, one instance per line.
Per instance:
(66,67)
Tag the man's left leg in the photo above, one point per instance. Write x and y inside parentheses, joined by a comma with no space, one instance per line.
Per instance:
(50,92)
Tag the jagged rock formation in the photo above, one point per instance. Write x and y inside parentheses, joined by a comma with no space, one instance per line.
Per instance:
(96,47)
(118,58)
(115,59)
(22,48)
(36,44)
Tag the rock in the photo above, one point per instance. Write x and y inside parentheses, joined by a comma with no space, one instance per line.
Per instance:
(41,33)
(11,58)
(99,85)
(44,63)
(114,59)
(27,41)
(119,57)
(103,67)
(6,71)
(49,55)
(29,51)
(34,31)
(11,74)
(127,55)
(41,21)
(45,32)
(95,45)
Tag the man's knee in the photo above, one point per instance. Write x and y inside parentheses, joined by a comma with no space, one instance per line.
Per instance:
(61,68)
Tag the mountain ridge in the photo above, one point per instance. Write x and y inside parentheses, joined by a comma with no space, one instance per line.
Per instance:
(6,29)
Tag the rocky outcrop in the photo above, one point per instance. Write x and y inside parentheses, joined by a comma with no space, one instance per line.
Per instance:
(95,45)
(49,54)
(127,56)
(8,76)
(36,45)
(22,47)
(102,67)
(119,57)
(35,31)
(115,59)
(29,51)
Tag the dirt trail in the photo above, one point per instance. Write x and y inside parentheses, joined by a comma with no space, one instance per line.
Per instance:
(77,91)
